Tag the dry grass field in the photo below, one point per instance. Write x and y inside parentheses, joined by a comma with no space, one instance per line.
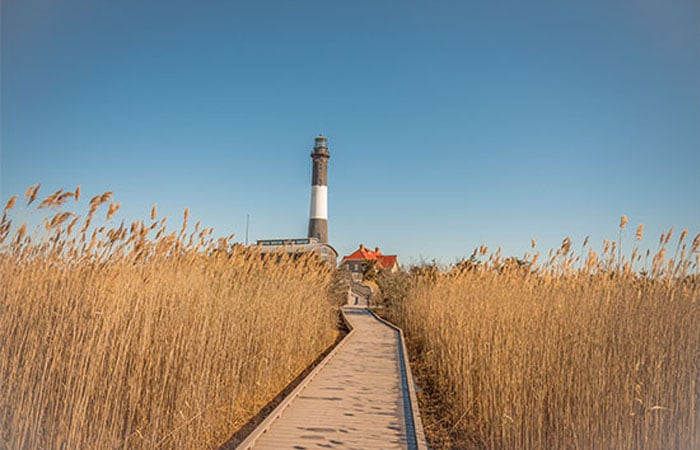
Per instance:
(575,353)
(135,336)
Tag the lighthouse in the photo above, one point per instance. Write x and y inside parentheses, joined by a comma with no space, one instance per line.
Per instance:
(318,215)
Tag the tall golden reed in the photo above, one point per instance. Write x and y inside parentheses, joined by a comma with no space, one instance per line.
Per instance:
(113,338)
(565,355)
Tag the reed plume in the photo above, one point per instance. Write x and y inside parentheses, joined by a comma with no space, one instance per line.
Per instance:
(31,193)
(623,222)
(10,203)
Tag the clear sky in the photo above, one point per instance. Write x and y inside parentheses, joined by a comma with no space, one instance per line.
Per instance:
(450,123)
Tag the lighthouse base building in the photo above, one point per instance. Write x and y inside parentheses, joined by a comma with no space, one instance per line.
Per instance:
(299,246)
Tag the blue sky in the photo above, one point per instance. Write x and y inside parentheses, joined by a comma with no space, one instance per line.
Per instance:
(450,123)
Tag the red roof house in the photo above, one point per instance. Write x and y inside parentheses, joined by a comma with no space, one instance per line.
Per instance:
(356,261)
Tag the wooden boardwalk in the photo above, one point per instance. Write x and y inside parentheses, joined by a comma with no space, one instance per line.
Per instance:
(362,397)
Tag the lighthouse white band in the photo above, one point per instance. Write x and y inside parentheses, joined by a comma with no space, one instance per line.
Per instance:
(319,202)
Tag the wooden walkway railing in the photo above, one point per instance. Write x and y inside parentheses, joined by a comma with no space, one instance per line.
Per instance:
(361,396)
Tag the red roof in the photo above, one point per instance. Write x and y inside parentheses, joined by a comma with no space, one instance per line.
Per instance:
(388,260)
(363,253)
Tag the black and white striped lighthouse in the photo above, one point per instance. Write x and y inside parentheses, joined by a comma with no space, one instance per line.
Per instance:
(318,216)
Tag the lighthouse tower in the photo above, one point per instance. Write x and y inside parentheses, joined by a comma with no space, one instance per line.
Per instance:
(318,216)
